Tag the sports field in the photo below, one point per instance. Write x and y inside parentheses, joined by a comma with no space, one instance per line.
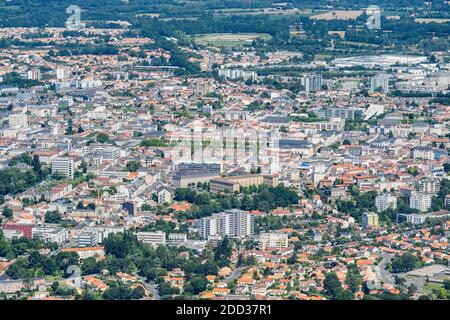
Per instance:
(228,39)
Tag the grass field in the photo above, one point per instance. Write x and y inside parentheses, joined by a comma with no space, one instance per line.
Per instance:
(428,288)
(229,39)
(338,15)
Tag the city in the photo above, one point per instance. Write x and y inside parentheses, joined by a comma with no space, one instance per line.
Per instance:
(224,150)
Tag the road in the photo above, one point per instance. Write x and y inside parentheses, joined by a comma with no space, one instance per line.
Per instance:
(384,275)
(150,287)
(236,273)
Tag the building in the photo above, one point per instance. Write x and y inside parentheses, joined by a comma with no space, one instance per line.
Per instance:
(51,233)
(411,218)
(233,223)
(273,241)
(64,166)
(164,195)
(88,252)
(233,184)
(235,74)
(188,173)
(34,74)
(152,238)
(88,239)
(18,119)
(369,219)
(342,113)
(430,186)
(177,238)
(22,229)
(62,73)
(422,153)
(419,218)
(130,207)
(379,82)
(313,83)
(385,201)
(420,201)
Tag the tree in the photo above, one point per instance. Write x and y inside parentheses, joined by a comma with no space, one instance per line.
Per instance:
(292,259)
(69,129)
(90,266)
(138,293)
(198,284)
(441,293)
(7,212)
(447,284)
(404,263)
(133,166)
(223,251)
(166,289)
(102,137)
(53,217)
(331,284)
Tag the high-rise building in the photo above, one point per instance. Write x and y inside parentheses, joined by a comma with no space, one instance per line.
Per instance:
(34,74)
(379,81)
(233,223)
(369,219)
(428,185)
(385,201)
(313,83)
(62,73)
(420,201)
(63,166)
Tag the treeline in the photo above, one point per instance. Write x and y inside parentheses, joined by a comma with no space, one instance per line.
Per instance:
(14,79)
(38,265)
(208,23)
(263,198)
(126,254)
(85,50)
(17,247)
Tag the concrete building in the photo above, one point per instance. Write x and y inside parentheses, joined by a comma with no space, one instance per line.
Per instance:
(379,82)
(313,83)
(51,233)
(18,119)
(188,173)
(428,185)
(233,223)
(88,239)
(34,74)
(152,238)
(233,184)
(62,73)
(64,166)
(422,153)
(385,201)
(369,219)
(273,240)
(420,201)
(164,195)
(177,238)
